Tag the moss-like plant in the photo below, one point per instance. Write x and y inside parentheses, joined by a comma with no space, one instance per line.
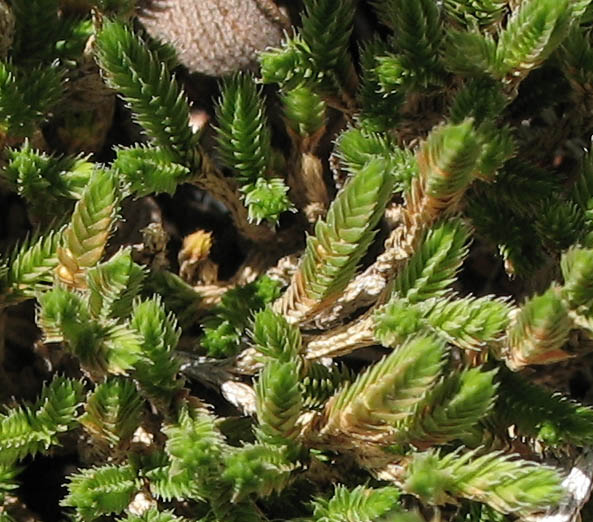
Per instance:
(363,186)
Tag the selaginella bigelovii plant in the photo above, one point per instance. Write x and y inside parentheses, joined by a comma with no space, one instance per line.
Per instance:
(408,191)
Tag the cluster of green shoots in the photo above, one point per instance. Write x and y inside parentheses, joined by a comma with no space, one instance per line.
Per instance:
(460,123)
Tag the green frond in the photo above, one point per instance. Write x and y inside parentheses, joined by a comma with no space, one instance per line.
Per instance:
(90,225)
(448,159)
(576,59)
(560,224)
(31,266)
(266,199)
(149,170)
(362,504)
(290,66)
(18,437)
(506,483)
(8,482)
(498,146)
(469,323)
(279,401)
(64,316)
(274,337)
(532,33)
(340,241)
(452,408)
(256,469)
(417,33)
(475,13)
(29,430)
(583,189)
(195,444)
(380,111)
(397,320)
(539,332)
(355,148)
(123,348)
(37,176)
(113,411)
(470,54)
(326,28)
(577,271)
(432,268)
(321,382)
(385,397)
(223,329)
(26,96)
(113,285)
(147,86)
(157,371)
(542,414)
(163,483)
(154,515)
(243,135)
(304,111)
(100,491)
(56,410)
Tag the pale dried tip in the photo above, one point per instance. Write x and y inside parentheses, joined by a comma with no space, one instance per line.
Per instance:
(141,503)
(214,37)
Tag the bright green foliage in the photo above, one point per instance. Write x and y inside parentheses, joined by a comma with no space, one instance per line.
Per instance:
(164,484)
(468,323)
(113,285)
(256,469)
(279,401)
(154,515)
(395,321)
(356,148)
(195,447)
(385,397)
(8,482)
(31,266)
(25,98)
(363,504)
(536,28)
(509,485)
(64,316)
(304,110)
(480,99)
(223,330)
(30,429)
(157,371)
(577,270)
(91,223)
(113,412)
(244,146)
(434,265)
(537,412)
(539,331)
(453,407)
(147,86)
(51,179)
(149,170)
(340,241)
(101,491)
(448,159)
(274,337)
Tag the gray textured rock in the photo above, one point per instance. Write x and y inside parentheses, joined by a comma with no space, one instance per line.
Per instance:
(215,37)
